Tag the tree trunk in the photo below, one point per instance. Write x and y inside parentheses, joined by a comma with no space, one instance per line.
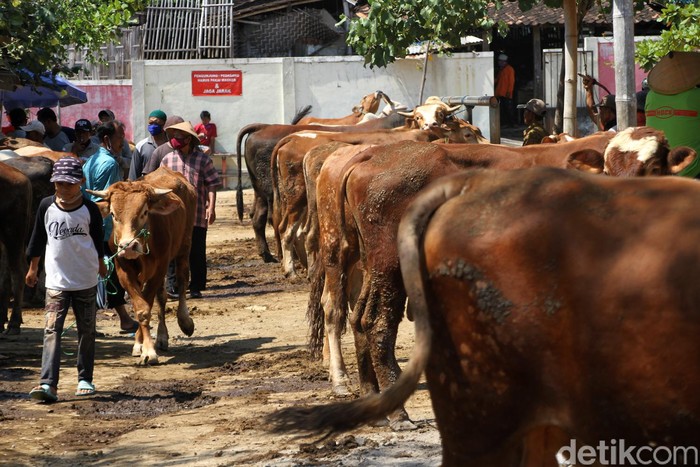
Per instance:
(570,66)
(623,33)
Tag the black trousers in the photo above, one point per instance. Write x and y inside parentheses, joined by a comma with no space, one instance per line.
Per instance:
(198,263)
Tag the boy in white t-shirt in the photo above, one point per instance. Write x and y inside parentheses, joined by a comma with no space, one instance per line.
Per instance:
(68,234)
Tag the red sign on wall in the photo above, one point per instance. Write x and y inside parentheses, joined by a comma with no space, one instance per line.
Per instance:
(217,83)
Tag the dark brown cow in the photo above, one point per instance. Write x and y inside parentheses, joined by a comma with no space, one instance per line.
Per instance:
(532,330)
(261,140)
(15,212)
(359,230)
(369,104)
(153,219)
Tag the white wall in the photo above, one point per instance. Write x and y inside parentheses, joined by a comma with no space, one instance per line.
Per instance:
(274,88)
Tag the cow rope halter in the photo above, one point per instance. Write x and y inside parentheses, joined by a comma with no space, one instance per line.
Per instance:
(109,261)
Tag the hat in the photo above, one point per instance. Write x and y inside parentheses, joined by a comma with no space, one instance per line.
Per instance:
(83,125)
(502,57)
(159,114)
(106,113)
(67,169)
(184,126)
(34,125)
(536,106)
(675,73)
(173,120)
(607,101)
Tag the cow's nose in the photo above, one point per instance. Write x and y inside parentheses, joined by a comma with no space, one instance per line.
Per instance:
(127,249)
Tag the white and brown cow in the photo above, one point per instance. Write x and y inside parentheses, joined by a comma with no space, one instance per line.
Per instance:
(533,333)
(433,113)
(153,220)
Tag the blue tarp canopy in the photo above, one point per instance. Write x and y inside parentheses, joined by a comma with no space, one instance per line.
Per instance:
(54,91)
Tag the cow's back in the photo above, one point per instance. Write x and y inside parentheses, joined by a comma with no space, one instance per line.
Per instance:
(564,300)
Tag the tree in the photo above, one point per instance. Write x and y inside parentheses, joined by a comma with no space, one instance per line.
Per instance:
(393,25)
(683,34)
(34,34)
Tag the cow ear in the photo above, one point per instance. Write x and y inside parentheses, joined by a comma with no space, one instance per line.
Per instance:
(586,160)
(680,158)
(164,204)
(104,207)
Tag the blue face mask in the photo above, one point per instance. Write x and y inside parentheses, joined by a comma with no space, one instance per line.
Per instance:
(155,129)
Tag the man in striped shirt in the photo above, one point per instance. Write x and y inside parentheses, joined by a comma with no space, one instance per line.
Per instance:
(198,169)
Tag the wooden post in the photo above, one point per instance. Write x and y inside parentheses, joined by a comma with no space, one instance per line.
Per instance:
(570,66)
(538,89)
(623,34)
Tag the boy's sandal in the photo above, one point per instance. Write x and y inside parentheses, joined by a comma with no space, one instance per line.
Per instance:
(85,388)
(43,393)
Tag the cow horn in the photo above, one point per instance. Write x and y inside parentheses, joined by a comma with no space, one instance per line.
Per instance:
(454,109)
(161,191)
(104,194)
(407,114)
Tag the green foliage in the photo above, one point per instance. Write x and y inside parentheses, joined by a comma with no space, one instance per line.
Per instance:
(683,34)
(34,33)
(393,25)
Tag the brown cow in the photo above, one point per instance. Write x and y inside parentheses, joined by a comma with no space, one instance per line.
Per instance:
(532,330)
(369,104)
(15,212)
(153,220)
(375,188)
(261,140)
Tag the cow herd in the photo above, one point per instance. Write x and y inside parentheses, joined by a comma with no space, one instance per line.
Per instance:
(551,302)
(539,284)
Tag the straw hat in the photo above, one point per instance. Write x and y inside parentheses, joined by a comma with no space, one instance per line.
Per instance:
(675,73)
(183,126)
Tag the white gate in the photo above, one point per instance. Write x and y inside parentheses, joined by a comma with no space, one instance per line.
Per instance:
(552,59)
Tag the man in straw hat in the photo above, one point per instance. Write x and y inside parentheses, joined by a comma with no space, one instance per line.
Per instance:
(673,101)
(198,168)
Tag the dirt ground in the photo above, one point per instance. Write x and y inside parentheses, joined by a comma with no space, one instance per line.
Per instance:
(204,403)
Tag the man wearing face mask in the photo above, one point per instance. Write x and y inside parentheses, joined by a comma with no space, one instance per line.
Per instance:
(198,168)
(145,148)
(100,171)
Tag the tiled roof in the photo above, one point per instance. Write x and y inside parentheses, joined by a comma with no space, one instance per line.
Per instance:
(542,15)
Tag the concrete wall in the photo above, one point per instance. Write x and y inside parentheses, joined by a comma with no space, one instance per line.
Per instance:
(274,88)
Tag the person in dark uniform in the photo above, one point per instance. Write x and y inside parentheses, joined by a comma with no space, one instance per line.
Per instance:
(533,116)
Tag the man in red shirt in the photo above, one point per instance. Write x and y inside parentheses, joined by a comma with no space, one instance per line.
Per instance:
(206,131)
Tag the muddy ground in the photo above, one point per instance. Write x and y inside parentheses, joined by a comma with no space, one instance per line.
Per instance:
(204,403)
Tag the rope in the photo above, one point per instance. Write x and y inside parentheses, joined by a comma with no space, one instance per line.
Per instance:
(109,262)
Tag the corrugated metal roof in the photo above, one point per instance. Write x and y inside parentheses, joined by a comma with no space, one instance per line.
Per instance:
(542,15)
(245,8)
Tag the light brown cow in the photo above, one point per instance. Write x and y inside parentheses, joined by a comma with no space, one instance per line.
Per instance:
(533,333)
(15,212)
(360,228)
(153,220)
(432,113)
(369,104)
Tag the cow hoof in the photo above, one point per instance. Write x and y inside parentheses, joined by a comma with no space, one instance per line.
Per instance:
(186,326)
(268,258)
(402,425)
(149,360)
(341,390)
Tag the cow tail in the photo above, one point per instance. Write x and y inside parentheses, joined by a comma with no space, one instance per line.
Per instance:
(314,310)
(252,128)
(301,113)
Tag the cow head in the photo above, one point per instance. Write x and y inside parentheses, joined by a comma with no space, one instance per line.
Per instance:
(431,114)
(560,138)
(131,204)
(640,151)
(635,152)
(369,104)
(456,130)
